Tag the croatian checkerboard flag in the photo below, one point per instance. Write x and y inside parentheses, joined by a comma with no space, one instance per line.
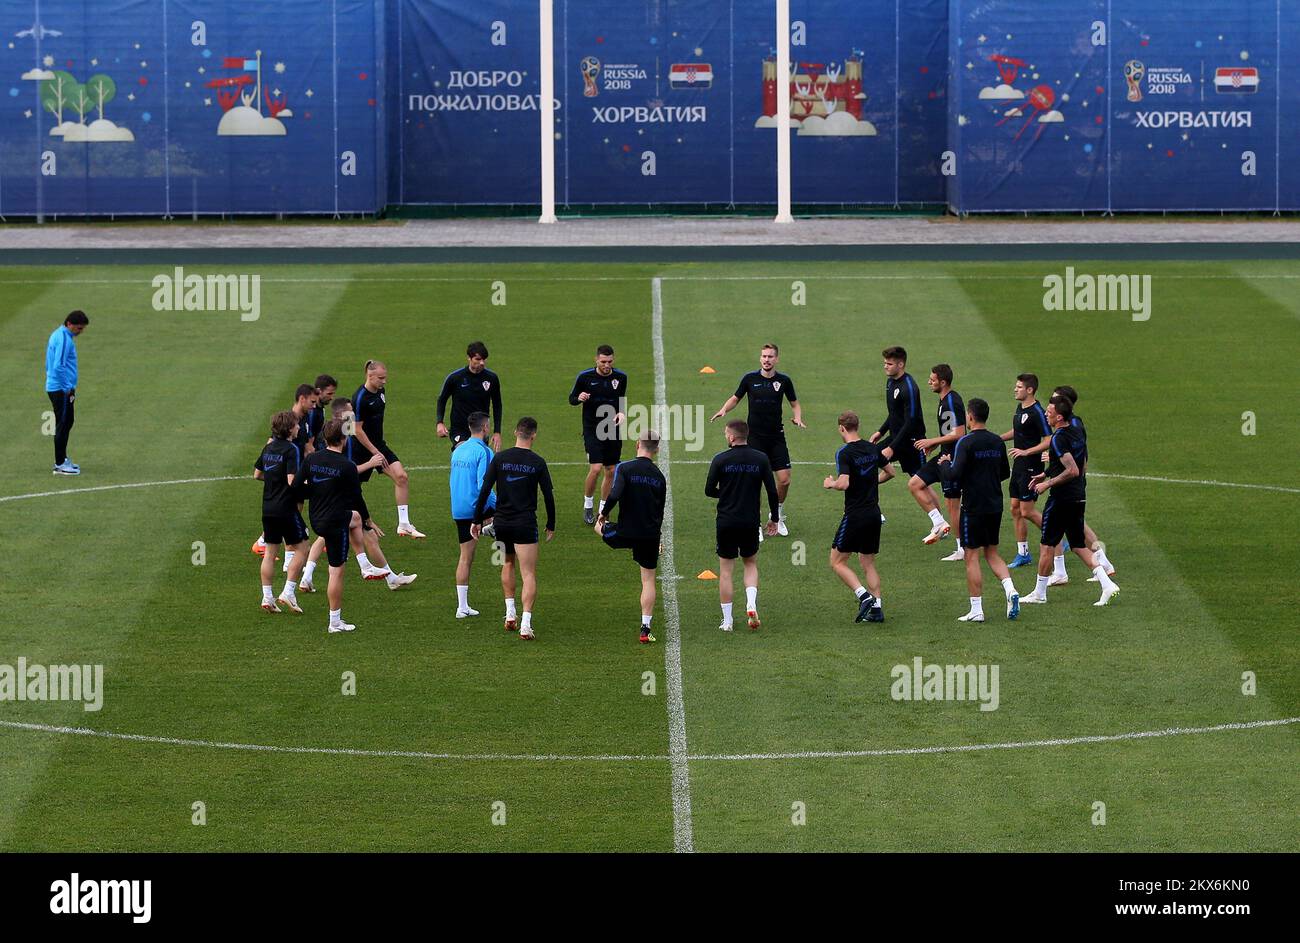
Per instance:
(691,75)
(1236,80)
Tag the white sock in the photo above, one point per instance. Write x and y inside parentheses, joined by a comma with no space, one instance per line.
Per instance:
(288,558)
(462,597)
(977,605)
(601,510)
(336,616)
(1100,557)
(363,561)
(726,612)
(860,591)
(1040,588)
(510,608)
(751,597)
(645,622)
(877,605)
(1058,566)
(1022,548)
(267,592)
(1105,581)
(403,514)
(958,542)
(528,620)
(308,570)
(390,578)
(780,511)
(588,501)
(1009,587)
(290,588)
(936,517)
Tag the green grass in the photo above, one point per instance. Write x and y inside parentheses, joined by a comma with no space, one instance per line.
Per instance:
(107,577)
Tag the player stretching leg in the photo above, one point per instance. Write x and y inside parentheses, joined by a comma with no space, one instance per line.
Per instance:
(904,423)
(468,468)
(952,426)
(278,470)
(368,405)
(737,478)
(857,467)
(979,465)
(639,487)
(765,387)
(598,391)
(1029,436)
(518,474)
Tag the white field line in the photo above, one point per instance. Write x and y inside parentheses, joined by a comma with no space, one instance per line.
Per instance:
(683,832)
(1207,482)
(642,758)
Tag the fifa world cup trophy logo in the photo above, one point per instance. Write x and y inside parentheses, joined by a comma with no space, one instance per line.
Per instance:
(1133,72)
(590,67)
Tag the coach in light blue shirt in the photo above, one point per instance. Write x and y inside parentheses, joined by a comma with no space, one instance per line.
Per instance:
(61,385)
(469,464)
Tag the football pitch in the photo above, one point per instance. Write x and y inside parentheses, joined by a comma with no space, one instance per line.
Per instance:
(1169,720)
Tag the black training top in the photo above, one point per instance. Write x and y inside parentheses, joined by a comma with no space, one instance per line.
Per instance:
(979,465)
(1029,426)
(605,391)
(861,461)
(765,400)
(1071,440)
(280,458)
(330,485)
(640,488)
(517,474)
(737,478)
(368,408)
(470,392)
(905,424)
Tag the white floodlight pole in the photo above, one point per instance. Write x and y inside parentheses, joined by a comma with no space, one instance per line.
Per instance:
(783,112)
(546,108)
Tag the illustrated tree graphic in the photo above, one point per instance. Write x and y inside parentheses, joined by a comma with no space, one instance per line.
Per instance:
(80,101)
(102,90)
(57,92)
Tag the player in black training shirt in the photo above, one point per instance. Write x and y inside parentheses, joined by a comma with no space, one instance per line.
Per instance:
(737,478)
(517,474)
(472,389)
(641,490)
(1094,544)
(978,465)
(903,425)
(304,402)
(368,405)
(333,492)
(277,468)
(1029,437)
(857,467)
(600,391)
(952,426)
(765,389)
(326,387)
(1066,477)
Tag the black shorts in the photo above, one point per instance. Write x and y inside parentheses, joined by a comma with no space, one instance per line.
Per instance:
(335,533)
(1063,519)
(458,436)
(979,528)
(858,534)
(932,472)
(283,528)
(600,451)
(774,447)
(737,541)
(908,456)
(1022,470)
(510,535)
(645,550)
(462,529)
(381,448)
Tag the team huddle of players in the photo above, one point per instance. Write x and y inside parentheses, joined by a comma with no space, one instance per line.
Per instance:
(322,463)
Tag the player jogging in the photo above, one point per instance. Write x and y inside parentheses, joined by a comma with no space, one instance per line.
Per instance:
(737,478)
(518,474)
(599,390)
(1063,516)
(640,490)
(277,468)
(765,387)
(904,425)
(857,468)
(368,405)
(468,469)
(978,464)
(952,426)
(472,389)
(1029,437)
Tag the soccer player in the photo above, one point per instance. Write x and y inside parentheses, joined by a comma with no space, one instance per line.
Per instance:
(1030,436)
(641,489)
(598,391)
(368,405)
(277,468)
(304,404)
(737,478)
(468,469)
(1098,548)
(978,464)
(326,387)
(333,491)
(61,386)
(857,467)
(904,424)
(1063,516)
(765,387)
(517,474)
(952,426)
(472,389)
